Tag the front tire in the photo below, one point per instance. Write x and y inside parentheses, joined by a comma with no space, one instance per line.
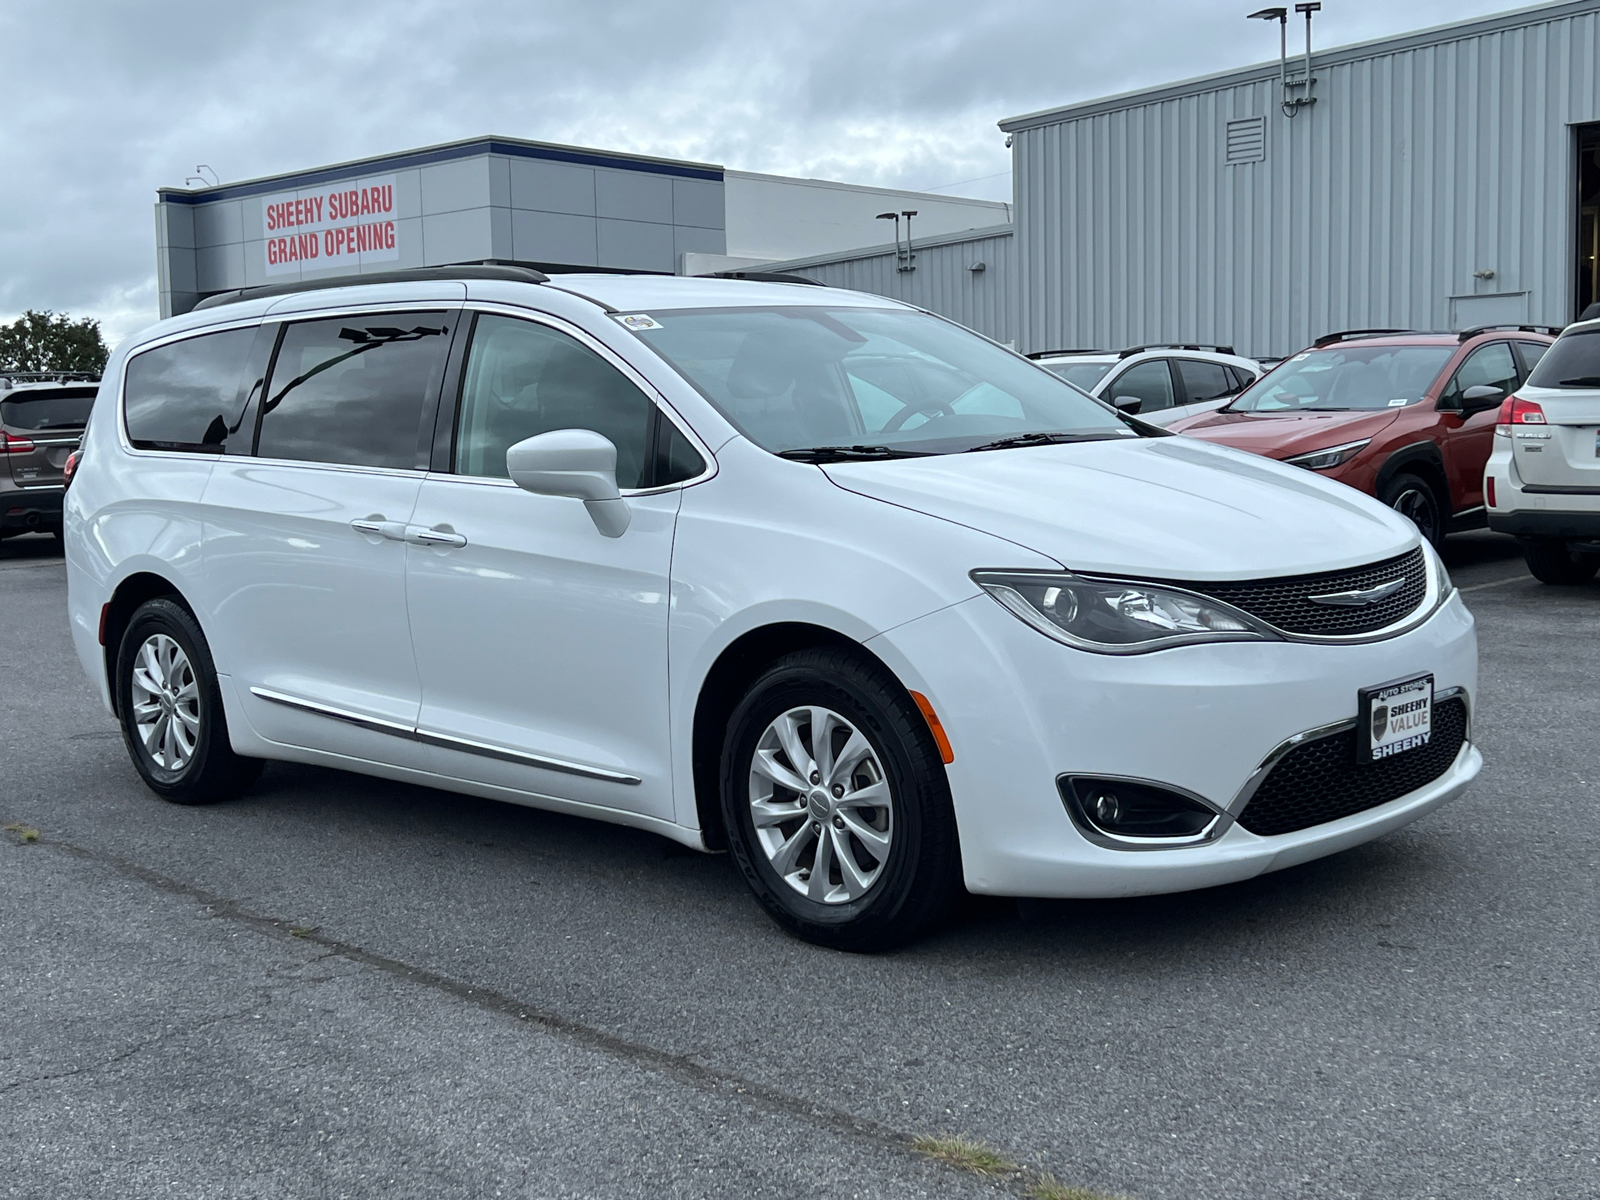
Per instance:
(170,706)
(837,805)
(1549,561)
(1414,498)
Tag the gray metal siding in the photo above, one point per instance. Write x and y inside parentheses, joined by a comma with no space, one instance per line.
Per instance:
(1415,168)
(943,281)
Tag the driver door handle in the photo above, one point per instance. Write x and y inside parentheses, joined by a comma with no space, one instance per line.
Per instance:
(421,535)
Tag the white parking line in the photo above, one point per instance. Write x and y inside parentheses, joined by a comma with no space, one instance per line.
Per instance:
(1478,587)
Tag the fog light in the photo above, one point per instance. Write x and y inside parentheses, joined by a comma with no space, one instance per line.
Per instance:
(1127,810)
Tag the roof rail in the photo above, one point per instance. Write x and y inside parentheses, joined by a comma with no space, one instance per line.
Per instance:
(1345,335)
(12,379)
(1132,350)
(767,277)
(409,275)
(1466,335)
(1054,353)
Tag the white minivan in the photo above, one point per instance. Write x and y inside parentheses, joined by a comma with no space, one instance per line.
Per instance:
(828,581)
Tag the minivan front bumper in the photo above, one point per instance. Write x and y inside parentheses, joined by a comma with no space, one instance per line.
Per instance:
(1022,710)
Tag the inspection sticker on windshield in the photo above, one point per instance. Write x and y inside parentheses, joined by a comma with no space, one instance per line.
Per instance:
(1393,718)
(638,321)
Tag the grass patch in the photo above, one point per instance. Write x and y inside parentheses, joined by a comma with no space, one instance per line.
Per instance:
(965,1154)
(1048,1187)
(26,833)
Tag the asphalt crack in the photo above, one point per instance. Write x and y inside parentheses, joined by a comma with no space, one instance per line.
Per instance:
(679,1067)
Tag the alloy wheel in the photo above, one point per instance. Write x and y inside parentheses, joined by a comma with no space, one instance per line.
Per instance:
(166,702)
(1417,505)
(821,805)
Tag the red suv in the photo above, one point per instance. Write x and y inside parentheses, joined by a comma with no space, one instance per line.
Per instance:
(1404,416)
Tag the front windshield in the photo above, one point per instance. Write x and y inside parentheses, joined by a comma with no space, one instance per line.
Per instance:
(1084,375)
(1347,378)
(868,380)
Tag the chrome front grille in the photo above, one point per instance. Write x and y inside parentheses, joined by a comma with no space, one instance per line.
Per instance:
(1285,603)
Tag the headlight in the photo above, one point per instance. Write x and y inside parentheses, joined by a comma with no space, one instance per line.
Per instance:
(1443,585)
(1113,617)
(1333,456)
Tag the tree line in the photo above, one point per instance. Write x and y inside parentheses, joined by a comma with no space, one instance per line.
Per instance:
(47,341)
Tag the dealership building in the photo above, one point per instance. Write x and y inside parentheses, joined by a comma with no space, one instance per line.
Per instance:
(1435,180)
(493,199)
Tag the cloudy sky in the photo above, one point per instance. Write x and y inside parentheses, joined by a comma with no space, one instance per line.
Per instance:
(106,102)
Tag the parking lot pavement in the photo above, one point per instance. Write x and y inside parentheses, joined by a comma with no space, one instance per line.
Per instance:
(340,986)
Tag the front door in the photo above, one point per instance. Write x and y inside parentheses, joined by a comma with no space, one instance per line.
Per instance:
(304,546)
(1471,435)
(541,643)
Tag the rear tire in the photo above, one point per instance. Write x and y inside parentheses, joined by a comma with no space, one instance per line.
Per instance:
(875,824)
(1550,561)
(170,706)
(1413,497)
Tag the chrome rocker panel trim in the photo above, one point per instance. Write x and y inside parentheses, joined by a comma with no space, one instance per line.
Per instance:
(444,740)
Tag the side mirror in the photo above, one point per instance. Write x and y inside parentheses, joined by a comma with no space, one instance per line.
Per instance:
(573,462)
(1129,404)
(1480,397)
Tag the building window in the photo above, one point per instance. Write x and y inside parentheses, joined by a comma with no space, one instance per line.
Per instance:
(1247,140)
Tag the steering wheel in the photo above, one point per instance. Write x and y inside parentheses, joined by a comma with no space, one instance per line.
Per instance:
(933,409)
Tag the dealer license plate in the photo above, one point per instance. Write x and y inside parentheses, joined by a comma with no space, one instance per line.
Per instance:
(1394,718)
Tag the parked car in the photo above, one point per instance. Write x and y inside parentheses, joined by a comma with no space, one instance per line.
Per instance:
(1406,417)
(1542,481)
(1159,384)
(41,419)
(810,575)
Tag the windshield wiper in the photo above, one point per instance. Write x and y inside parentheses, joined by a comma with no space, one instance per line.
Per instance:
(1582,381)
(1040,439)
(822,454)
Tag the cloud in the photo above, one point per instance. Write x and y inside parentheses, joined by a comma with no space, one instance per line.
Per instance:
(106,103)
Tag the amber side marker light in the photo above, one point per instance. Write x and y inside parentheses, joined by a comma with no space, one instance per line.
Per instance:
(940,738)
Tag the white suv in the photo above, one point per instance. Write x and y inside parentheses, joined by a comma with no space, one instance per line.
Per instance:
(807,574)
(1542,480)
(1158,384)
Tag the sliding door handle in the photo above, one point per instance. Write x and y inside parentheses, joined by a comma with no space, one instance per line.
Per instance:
(421,535)
(395,531)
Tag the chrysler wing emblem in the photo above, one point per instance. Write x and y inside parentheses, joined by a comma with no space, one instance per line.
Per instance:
(1361,598)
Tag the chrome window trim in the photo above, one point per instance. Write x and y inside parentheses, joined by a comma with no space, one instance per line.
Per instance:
(650,391)
(416,733)
(123,440)
(310,314)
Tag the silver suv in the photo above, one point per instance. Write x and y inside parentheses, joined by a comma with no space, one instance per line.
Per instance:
(1158,384)
(41,419)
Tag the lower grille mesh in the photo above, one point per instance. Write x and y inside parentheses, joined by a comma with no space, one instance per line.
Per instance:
(1321,780)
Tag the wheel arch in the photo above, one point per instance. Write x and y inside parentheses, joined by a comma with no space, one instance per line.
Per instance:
(1423,460)
(734,669)
(125,601)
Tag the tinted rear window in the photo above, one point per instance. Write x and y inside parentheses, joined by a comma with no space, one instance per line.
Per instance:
(352,390)
(58,408)
(1574,362)
(185,395)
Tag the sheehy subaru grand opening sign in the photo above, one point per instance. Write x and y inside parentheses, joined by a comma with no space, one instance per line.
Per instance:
(339,225)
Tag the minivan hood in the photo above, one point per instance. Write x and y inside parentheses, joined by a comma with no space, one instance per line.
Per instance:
(1284,434)
(1159,507)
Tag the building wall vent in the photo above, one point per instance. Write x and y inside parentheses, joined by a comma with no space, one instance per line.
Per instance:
(1247,140)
